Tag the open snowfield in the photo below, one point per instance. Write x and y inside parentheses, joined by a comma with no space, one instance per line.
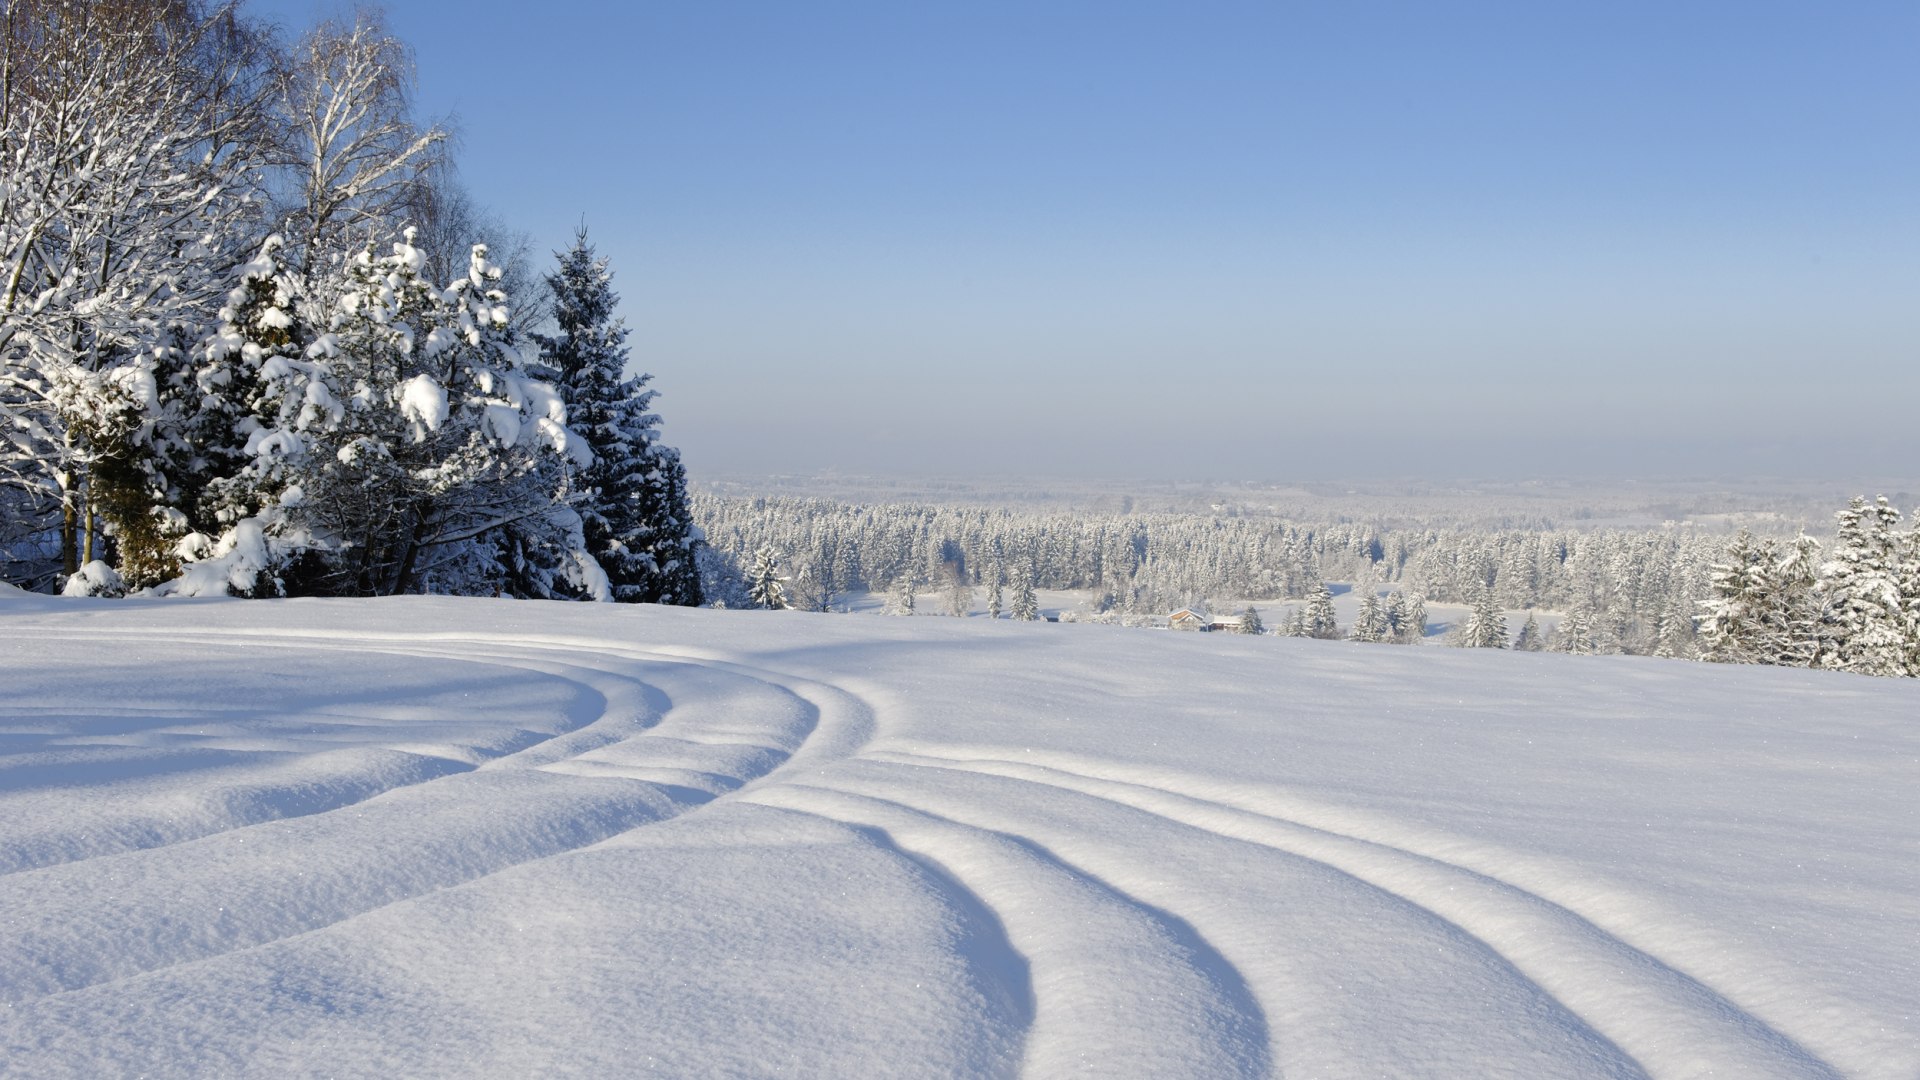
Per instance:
(431,837)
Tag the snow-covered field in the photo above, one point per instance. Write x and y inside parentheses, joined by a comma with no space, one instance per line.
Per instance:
(429,837)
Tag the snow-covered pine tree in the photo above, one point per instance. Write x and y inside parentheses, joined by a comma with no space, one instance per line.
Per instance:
(1416,628)
(1026,606)
(995,575)
(1736,618)
(1794,619)
(1529,639)
(1295,624)
(632,499)
(1250,621)
(1575,634)
(1394,610)
(1486,627)
(1319,621)
(1865,612)
(429,434)
(901,598)
(1370,622)
(766,588)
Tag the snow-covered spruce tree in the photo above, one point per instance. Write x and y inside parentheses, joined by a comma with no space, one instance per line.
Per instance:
(903,596)
(632,500)
(1319,621)
(766,588)
(1796,617)
(416,433)
(1370,623)
(1576,634)
(1415,630)
(1249,622)
(995,599)
(1735,623)
(1529,639)
(1486,627)
(1866,617)
(1394,610)
(1026,606)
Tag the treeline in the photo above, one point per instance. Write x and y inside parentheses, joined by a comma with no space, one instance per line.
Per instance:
(1623,591)
(251,340)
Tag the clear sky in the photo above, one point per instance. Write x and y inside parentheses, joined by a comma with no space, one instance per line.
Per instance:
(1238,241)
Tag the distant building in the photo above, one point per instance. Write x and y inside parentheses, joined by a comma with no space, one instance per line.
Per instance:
(1188,619)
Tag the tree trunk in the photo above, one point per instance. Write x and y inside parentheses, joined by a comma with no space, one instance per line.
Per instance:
(69,527)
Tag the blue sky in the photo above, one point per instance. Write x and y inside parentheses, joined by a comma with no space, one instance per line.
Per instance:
(1239,241)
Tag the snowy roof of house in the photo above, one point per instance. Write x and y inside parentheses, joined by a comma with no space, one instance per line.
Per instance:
(1186,613)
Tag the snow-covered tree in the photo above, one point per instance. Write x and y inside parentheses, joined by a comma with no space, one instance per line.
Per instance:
(1529,639)
(1736,618)
(1249,622)
(632,498)
(1486,627)
(765,586)
(1026,605)
(1576,633)
(1867,620)
(415,432)
(1370,623)
(994,595)
(902,597)
(1413,628)
(1319,620)
(129,134)
(350,147)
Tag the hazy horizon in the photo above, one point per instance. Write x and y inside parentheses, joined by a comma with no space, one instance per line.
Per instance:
(1151,240)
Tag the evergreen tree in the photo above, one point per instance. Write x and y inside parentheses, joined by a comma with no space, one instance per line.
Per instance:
(1866,614)
(1250,621)
(901,600)
(1370,623)
(1486,627)
(1529,639)
(1416,630)
(1026,606)
(1319,621)
(1395,612)
(1736,617)
(1796,617)
(632,499)
(994,598)
(765,587)
(1575,634)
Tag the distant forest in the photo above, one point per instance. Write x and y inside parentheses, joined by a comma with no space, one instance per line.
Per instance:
(1850,604)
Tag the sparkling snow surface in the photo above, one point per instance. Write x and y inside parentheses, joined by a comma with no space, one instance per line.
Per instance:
(427,837)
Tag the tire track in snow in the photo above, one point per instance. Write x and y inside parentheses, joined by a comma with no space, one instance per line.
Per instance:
(191,901)
(1669,1021)
(843,721)
(1119,987)
(248,801)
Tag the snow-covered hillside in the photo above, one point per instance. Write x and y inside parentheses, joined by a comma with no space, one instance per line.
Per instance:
(429,837)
